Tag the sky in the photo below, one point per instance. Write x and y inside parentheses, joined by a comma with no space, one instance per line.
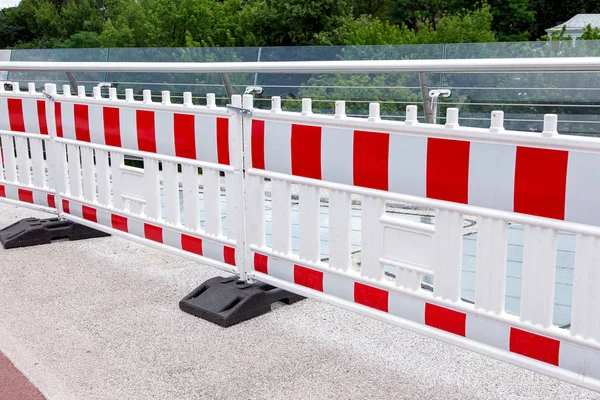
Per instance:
(8,3)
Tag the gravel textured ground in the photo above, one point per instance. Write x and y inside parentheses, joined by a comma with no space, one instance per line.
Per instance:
(99,319)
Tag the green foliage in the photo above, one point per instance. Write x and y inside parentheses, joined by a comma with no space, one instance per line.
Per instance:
(550,13)
(239,23)
(300,22)
(590,34)
(467,27)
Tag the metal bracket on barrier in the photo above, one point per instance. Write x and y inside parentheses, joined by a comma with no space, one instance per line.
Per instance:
(229,301)
(47,95)
(243,111)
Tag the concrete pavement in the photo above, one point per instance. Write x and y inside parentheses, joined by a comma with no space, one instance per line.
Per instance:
(99,319)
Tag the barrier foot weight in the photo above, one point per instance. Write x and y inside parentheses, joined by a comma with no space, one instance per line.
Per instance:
(33,231)
(229,301)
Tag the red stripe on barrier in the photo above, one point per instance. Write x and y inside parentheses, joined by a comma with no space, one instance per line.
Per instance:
(58,119)
(118,222)
(371,297)
(51,201)
(154,233)
(534,346)
(308,278)
(15,115)
(25,196)
(146,133)
(65,206)
(306,151)
(229,255)
(223,141)
(185,136)
(446,319)
(112,126)
(540,182)
(2,191)
(41,111)
(191,244)
(258,144)
(261,263)
(82,123)
(448,170)
(89,213)
(371,159)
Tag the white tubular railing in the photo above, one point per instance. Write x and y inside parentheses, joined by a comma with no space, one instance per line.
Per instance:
(543,181)
(26,175)
(564,64)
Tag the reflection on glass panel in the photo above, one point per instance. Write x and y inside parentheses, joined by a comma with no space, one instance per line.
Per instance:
(89,79)
(524,97)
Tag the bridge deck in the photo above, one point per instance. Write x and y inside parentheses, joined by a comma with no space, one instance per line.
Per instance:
(99,320)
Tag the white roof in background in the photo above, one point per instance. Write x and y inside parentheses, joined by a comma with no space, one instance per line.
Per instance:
(579,22)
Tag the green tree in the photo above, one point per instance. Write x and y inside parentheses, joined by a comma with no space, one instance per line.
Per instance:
(300,22)
(512,19)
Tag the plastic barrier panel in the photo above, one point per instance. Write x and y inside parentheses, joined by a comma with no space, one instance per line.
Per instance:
(410,273)
(26,175)
(183,191)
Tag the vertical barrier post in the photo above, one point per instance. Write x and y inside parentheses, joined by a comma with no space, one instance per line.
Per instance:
(236,202)
(56,162)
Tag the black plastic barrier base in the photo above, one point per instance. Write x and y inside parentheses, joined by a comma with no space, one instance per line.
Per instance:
(33,231)
(229,301)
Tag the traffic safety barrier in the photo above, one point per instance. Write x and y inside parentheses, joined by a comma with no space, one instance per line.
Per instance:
(25,176)
(209,178)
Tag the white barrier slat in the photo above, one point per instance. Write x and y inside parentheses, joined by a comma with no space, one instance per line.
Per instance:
(152,188)
(2,173)
(448,241)
(490,272)
(231,213)
(281,216)
(538,276)
(340,218)
(74,166)
(103,177)
(371,237)
(23,161)
(116,160)
(255,210)
(10,165)
(89,172)
(171,193)
(586,281)
(408,279)
(191,197)
(212,207)
(309,223)
(37,162)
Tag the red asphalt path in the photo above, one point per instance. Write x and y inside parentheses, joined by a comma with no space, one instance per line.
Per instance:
(14,385)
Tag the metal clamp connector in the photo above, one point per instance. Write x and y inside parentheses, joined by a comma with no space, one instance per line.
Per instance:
(47,95)
(239,110)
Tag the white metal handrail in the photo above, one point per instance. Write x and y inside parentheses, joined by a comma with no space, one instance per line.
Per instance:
(551,64)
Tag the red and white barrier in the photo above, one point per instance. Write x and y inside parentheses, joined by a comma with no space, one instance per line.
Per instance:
(193,159)
(552,346)
(543,182)
(171,132)
(26,175)
(158,202)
